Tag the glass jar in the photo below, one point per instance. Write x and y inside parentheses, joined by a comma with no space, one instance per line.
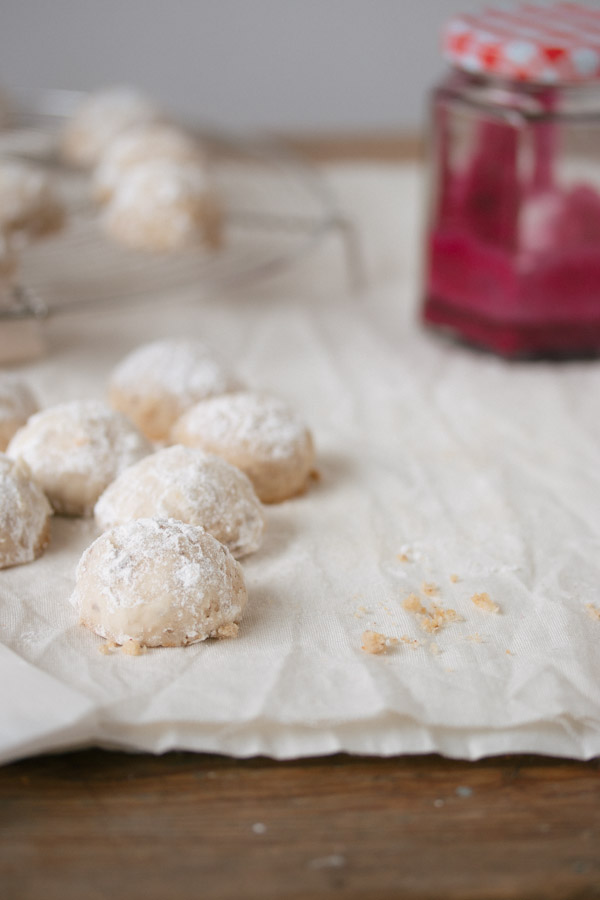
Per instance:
(513,240)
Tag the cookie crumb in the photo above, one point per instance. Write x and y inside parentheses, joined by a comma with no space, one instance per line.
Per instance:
(437,617)
(454,578)
(412,603)
(229,630)
(430,620)
(434,649)
(107,647)
(429,588)
(413,643)
(474,638)
(373,642)
(133,648)
(315,475)
(593,611)
(402,557)
(485,602)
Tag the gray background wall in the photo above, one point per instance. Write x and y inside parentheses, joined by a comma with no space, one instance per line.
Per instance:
(299,65)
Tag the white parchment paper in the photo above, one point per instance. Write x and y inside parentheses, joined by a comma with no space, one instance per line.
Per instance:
(461,462)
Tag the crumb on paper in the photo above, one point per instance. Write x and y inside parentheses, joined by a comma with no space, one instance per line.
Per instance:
(229,630)
(413,643)
(429,588)
(360,612)
(484,601)
(133,648)
(107,647)
(437,617)
(374,642)
(509,653)
(454,578)
(403,557)
(430,620)
(475,638)
(593,611)
(315,475)
(434,649)
(412,603)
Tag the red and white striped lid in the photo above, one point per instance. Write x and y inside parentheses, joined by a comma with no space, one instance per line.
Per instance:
(551,44)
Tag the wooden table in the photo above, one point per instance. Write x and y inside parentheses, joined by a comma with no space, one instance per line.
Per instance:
(95,825)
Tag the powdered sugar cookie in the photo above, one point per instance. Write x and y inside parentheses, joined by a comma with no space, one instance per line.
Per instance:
(140,145)
(74,451)
(24,515)
(192,486)
(17,404)
(29,204)
(259,434)
(103,116)
(162,206)
(161,583)
(157,382)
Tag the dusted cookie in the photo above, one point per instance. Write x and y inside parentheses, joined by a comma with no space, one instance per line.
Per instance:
(259,434)
(100,119)
(157,382)
(161,206)
(140,145)
(161,583)
(75,450)
(192,486)
(29,204)
(24,515)
(17,404)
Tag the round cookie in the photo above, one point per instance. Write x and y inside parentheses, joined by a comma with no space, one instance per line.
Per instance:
(17,404)
(161,206)
(159,582)
(102,116)
(29,204)
(74,451)
(24,515)
(157,382)
(191,486)
(259,434)
(139,145)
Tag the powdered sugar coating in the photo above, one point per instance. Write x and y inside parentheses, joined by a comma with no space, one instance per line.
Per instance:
(24,514)
(161,582)
(259,434)
(29,203)
(17,404)
(191,486)
(157,382)
(139,145)
(101,117)
(75,450)
(160,205)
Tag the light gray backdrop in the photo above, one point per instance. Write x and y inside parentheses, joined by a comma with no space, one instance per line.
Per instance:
(300,65)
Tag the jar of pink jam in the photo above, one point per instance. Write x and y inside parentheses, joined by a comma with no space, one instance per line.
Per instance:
(513,240)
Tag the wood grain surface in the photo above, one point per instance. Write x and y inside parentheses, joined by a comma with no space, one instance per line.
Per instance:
(94,825)
(371,147)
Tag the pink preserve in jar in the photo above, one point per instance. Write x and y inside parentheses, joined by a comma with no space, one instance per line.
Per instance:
(513,255)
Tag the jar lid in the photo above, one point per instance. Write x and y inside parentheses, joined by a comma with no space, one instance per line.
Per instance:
(558,43)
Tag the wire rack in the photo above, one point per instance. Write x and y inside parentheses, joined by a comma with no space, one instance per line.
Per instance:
(276,209)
